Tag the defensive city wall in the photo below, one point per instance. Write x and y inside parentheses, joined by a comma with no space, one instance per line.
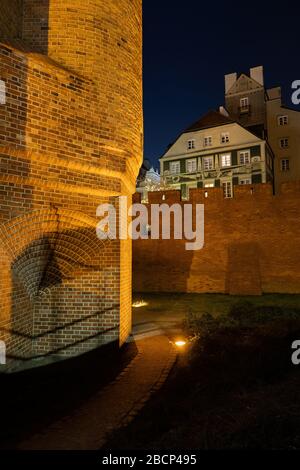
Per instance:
(252,245)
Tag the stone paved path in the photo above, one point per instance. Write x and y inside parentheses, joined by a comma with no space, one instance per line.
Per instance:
(115,405)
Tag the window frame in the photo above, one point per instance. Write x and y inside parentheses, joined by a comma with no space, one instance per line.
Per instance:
(225,138)
(226,193)
(244,103)
(282,118)
(191,144)
(287,168)
(172,164)
(242,153)
(282,140)
(221,160)
(242,181)
(194,160)
(211,159)
(209,185)
(207,141)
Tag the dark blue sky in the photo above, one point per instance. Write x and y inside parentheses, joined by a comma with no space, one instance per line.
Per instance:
(190,45)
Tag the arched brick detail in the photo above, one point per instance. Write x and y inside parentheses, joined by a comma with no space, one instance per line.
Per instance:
(55,263)
(49,245)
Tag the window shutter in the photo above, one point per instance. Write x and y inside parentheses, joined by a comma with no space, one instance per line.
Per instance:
(234,159)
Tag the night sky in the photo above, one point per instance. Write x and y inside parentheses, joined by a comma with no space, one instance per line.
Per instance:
(190,45)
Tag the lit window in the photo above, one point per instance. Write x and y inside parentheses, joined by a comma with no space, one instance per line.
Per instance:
(209,185)
(245,181)
(191,166)
(283,120)
(208,163)
(226,160)
(284,143)
(285,164)
(245,157)
(227,189)
(2,92)
(225,139)
(207,141)
(175,168)
(244,104)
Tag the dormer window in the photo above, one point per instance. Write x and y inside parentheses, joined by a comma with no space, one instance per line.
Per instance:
(2,92)
(225,138)
(191,144)
(207,141)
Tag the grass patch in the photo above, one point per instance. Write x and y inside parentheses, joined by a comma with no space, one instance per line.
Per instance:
(214,304)
(234,388)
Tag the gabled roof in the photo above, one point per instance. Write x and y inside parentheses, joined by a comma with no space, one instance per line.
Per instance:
(211,119)
(240,78)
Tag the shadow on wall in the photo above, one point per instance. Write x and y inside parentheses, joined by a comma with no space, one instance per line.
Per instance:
(166,266)
(11,14)
(36,25)
(243,275)
(57,284)
(25,24)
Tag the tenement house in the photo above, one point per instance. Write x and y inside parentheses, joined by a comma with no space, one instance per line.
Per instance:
(253,139)
(217,151)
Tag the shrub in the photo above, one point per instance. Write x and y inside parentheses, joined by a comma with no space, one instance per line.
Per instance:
(244,315)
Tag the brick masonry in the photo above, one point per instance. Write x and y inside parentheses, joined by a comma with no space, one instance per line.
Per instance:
(71,136)
(252,245)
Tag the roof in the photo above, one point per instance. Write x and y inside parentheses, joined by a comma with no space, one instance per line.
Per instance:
(211,119)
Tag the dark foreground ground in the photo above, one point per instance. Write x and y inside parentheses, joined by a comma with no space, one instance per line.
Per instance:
(33,399)
(233,387)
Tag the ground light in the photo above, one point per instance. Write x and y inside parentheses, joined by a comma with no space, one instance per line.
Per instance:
(139,304)
(180,343)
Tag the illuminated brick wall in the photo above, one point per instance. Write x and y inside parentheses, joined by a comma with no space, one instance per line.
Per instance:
(71,135)
(252,245)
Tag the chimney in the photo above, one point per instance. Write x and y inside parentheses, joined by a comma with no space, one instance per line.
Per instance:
(223,111)
(274,93)
(230,80)
(257,73)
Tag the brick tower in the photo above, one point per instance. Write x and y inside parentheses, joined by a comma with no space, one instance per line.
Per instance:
(71,135)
